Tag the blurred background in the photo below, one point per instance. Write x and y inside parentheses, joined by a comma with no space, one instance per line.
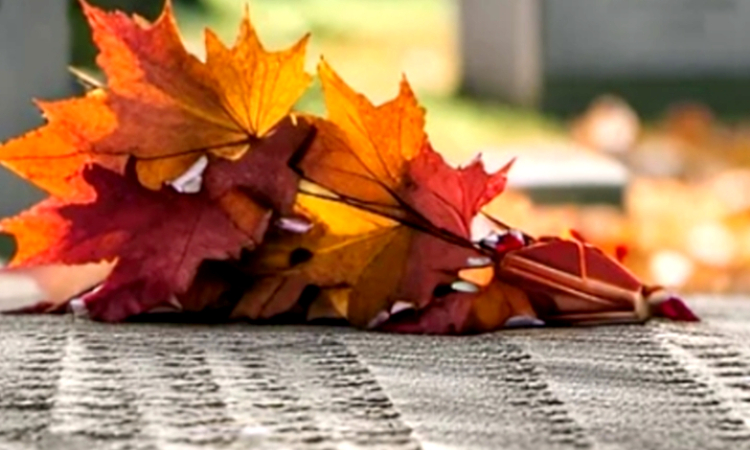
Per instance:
(629,117)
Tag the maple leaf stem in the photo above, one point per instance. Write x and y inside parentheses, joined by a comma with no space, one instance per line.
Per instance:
(376,208)
(247,141)
(428,227)
(445,234)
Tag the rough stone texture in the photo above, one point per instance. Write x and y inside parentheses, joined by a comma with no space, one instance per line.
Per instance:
(70,384)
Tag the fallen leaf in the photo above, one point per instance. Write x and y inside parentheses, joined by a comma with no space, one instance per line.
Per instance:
(168,109)
(171,108)
(462,313)
(158,239)
(53,156)
(363,262)
(378,159)
(262,176)
(362,151)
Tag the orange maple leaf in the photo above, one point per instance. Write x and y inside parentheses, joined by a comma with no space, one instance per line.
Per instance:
(166,107)
(378,159)
(53,156)
(363,262)
(172,108)
(362,151)
(392,235)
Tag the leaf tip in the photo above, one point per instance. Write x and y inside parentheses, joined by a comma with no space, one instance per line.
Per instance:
(167,11)
(86,6)
(405,88)
(506,168)
(303,41)
(91,13)
(324,68)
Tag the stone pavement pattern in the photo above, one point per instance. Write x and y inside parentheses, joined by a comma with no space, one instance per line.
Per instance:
(70,384)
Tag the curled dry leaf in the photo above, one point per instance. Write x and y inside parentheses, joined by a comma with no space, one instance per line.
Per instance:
(574,282)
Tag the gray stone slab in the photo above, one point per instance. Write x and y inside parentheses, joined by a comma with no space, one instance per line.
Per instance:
(34,54)
(559,55)
(69,384)
(636,38)
(501,49)
(561,173)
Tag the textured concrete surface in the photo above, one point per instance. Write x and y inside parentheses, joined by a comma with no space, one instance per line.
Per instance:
(69,384)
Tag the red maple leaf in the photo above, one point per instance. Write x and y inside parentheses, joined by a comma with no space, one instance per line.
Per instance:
(378,159)
(262,175)
(449,197)
(157,237)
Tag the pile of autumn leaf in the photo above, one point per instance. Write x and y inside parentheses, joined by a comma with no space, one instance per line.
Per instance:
(181,185)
